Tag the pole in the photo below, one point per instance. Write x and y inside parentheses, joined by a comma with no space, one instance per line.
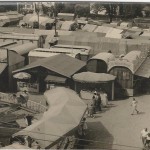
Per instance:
(38,19)
(7,57)
(55,19)
(112,97)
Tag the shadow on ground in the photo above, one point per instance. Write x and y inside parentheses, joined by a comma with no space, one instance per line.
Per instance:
(97,137)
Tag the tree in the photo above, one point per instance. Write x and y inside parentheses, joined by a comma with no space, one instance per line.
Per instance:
(97,7)
(82,10)
(59,7)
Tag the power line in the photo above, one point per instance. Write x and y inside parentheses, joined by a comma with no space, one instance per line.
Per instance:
(94,141)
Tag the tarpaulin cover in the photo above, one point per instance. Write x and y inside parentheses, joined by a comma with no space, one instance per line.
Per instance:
(91,77)
(65,112)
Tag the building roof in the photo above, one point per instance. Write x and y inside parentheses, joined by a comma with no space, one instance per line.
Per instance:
(103,29)
(24,48)
(104,56)
(114,33)
(91,77)
(6,43)
(144,70)
(2,67)
(19,36)
(89,27)
(66,25)
(61,64)
(132,56)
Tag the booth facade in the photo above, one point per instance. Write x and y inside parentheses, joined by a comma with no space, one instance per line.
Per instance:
(124,69)
(99,63)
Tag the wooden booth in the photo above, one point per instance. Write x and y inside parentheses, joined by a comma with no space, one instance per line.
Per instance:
(51,72)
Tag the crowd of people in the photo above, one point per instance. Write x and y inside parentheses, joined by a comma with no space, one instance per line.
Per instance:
(99,100)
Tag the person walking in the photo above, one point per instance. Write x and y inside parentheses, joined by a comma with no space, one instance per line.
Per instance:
(104,98)
(84,126)
(144,134)
(94,103)
(99,102)
(91,111)
(134,106)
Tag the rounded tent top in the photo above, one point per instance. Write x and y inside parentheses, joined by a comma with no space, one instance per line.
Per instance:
(104,56)
(91,77)
(132,56)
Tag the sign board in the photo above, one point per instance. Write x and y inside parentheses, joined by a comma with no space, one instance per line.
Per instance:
(31,87)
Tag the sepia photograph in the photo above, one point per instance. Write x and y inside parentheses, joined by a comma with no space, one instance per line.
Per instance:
(75,75)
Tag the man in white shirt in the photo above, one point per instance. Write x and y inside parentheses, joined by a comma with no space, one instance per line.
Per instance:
(144,134)
(134,106)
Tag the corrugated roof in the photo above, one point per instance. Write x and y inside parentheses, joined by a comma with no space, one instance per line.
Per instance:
(61,64)
(144,69)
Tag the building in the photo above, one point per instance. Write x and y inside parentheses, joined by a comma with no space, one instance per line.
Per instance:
(9,61)
(51,72)
(125,70)
(99,62)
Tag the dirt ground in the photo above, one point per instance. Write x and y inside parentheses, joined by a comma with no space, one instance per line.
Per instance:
(115,127)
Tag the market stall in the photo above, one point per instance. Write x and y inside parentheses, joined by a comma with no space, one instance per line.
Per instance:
(89,81)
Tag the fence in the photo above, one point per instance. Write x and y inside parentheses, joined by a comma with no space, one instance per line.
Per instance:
(34,106)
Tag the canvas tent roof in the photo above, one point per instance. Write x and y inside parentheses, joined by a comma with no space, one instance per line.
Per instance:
(89,27)
(132,56)
(66,25)
(61,64)
(103,29)
(91,77)
(114,33)
(64,114)
(24,48)
(104,56)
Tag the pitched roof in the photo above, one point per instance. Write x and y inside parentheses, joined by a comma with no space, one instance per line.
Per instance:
(144,70)
(61,64)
